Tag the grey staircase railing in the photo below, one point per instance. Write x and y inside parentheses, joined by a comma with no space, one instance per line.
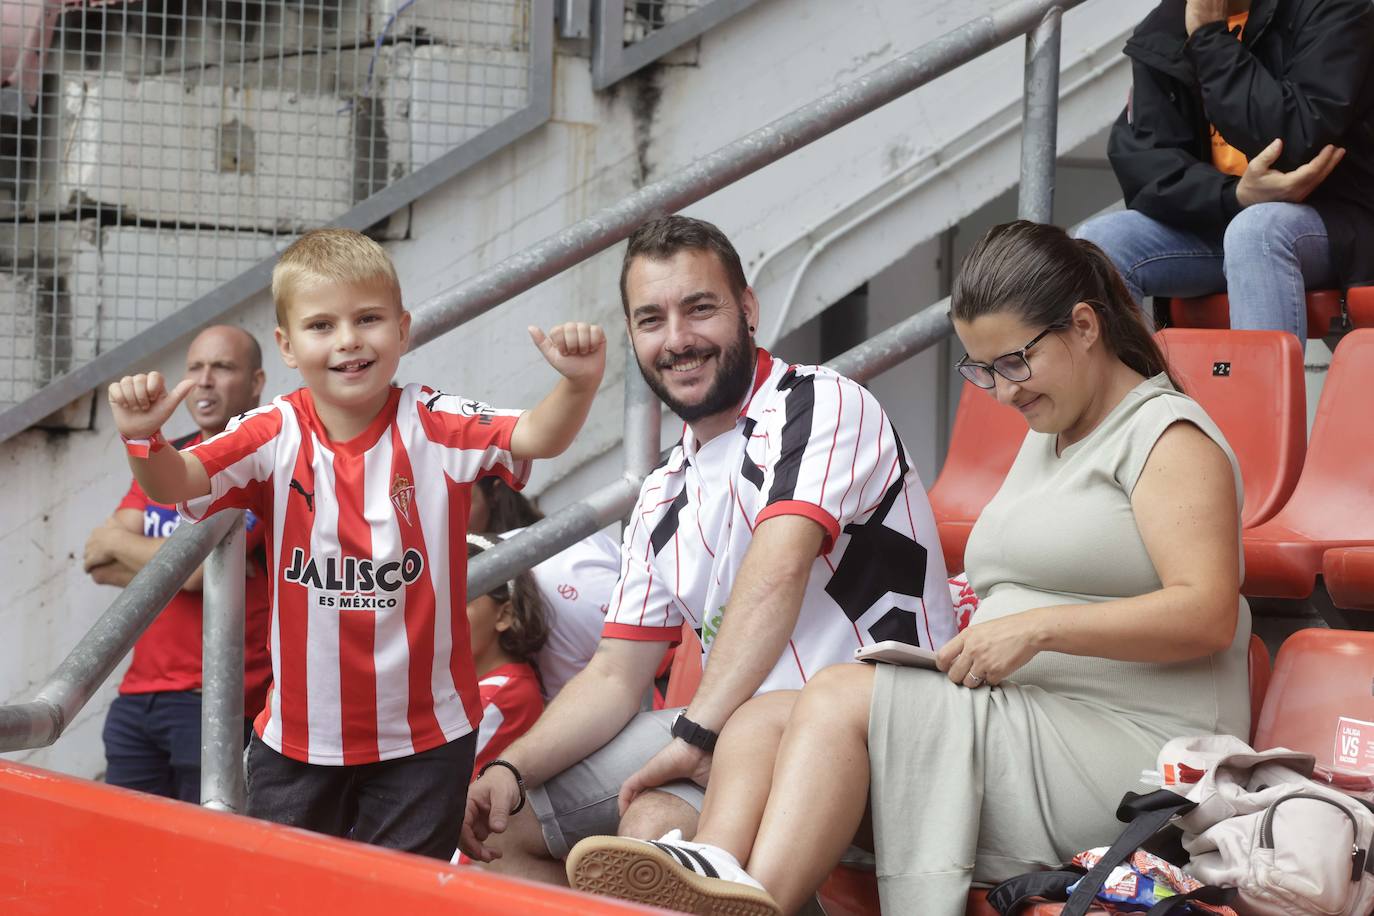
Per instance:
(34,724)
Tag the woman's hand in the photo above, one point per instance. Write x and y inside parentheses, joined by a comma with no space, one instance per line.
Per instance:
(988,653)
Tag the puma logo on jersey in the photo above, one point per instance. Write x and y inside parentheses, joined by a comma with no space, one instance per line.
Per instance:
(309,497)
(354,574)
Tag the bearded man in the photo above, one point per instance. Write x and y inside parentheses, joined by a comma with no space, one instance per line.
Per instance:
(788,528)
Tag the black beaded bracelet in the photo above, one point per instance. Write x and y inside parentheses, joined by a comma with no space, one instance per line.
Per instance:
(519,780)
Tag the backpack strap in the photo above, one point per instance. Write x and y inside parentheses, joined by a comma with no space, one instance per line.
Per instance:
(1012,894)
(1148,814)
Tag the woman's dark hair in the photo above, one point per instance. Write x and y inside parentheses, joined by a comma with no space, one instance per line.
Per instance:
(506,509)
(1040,273)
(529,629)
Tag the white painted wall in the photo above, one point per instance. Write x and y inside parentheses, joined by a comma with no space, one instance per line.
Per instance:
(757,66)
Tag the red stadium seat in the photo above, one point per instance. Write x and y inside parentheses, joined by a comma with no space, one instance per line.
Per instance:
(1333,503)
(1214,311)
(685,674)
(1319,702)
(1359,302)
(1251,385)
(986,438)
(1348,573)
(1261,670)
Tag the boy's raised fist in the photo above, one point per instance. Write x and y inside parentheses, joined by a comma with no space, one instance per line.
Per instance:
(576,349)
(142,403)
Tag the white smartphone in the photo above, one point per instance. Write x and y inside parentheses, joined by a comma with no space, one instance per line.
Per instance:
(895,652)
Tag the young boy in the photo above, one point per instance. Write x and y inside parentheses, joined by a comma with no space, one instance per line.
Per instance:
(370,727)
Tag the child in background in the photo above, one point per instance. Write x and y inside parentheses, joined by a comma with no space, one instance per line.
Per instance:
(509,626)
(371,725)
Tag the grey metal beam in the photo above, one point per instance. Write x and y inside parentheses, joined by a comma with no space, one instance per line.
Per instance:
(395,196)
(221,707)
(1040,119)
(40,721)
(613,60)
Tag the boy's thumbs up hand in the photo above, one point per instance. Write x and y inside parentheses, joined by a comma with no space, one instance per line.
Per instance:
(576,349)
(141,404)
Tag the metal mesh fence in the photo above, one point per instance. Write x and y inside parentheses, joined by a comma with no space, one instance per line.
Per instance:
(643,17)
(151,151)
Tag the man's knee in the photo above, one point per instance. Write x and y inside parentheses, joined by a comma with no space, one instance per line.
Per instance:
(1259,230)
(654,813)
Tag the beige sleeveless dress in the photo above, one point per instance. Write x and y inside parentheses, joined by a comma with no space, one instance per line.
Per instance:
(981,785)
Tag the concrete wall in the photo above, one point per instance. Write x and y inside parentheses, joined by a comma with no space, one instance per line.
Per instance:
(790,222)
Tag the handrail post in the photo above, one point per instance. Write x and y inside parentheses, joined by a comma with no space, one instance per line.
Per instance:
(643,420)
(221,710)
(1040,119)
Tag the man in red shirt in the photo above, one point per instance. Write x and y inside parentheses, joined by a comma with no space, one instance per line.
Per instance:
(152,732)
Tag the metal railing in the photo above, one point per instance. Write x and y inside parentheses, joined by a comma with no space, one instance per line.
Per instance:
(171,155)
(34,724)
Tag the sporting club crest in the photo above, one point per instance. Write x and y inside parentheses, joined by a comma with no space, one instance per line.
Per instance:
(402,496)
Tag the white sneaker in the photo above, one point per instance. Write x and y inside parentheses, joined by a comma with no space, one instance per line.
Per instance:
(671,873)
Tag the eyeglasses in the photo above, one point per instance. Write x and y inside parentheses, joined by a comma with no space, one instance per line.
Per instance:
(1013,366)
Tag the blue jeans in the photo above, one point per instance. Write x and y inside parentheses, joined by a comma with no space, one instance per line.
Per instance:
(1268,257)
(152,743)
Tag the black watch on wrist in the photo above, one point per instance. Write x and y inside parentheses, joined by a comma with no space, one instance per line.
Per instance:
(694,734)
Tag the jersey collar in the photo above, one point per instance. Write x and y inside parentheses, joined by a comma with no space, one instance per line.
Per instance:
(764,367)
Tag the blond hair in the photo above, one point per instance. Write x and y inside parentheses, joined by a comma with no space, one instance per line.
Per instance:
(324,256)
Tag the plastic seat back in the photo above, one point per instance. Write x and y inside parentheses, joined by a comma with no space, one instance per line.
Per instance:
(685,674)
(1251,385)
(1214,312)
(1348,573)
(1359,302)
(1334,498)
(1319,702)
(1261,670)
(986,438)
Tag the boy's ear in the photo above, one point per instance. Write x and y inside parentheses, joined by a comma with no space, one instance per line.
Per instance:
(284,347)
(405,330)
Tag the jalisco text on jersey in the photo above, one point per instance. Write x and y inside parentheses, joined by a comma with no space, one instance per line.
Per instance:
(354,574)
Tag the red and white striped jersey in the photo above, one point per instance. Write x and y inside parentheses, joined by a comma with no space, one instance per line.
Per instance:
(808,442)
(511,702)
(366,543)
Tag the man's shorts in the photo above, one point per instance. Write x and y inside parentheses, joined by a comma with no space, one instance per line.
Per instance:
(582,800)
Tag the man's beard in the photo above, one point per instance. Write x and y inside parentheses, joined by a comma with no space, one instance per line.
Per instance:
(727,390)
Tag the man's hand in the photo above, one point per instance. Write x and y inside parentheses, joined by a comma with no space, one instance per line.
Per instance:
(679,760)
(576,349)
(490,800)
(142,403)
(100,545)
(1201,12)
(1262,183)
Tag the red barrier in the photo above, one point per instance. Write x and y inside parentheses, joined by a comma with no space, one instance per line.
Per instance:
(72,846)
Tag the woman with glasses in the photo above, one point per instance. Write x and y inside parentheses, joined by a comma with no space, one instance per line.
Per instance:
(1108,568)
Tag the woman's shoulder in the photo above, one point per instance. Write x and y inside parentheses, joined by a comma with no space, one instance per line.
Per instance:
(1161,408)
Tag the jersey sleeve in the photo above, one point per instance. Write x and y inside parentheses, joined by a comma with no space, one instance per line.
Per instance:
(239,463)
(134,499)
(477,435)
(510,705)
(642,606)
(835,454)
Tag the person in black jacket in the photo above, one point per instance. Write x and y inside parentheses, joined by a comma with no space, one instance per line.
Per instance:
(1246,155)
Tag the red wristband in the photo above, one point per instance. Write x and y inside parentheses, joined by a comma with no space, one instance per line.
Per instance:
(142,448)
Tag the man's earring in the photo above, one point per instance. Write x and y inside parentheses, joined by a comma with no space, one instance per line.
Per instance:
(751,329)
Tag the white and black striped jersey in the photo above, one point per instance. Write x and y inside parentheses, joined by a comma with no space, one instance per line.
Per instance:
(808,442)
